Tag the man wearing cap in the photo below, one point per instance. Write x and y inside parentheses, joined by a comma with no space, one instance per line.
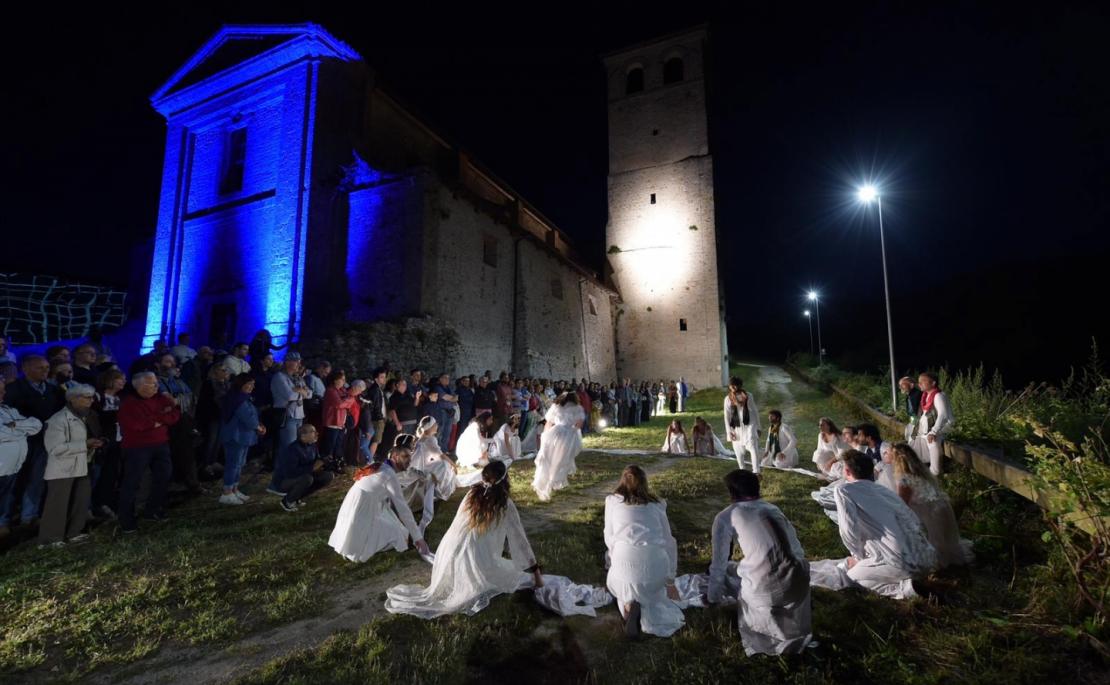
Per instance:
(289,391)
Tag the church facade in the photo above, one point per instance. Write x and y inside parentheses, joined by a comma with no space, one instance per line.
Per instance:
(297,195)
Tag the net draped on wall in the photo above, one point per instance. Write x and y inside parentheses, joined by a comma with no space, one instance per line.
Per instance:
(37,309)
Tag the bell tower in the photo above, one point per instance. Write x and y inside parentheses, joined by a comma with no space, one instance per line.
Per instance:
(661,236)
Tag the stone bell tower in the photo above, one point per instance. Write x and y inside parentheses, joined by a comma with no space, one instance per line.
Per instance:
(661,236)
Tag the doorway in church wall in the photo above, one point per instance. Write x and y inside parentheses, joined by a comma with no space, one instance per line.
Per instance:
(221,333)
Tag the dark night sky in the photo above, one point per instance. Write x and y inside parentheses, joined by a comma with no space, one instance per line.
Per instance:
(989,128)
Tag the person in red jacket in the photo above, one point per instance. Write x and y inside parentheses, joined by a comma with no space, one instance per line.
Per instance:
(144,420)
(337,405)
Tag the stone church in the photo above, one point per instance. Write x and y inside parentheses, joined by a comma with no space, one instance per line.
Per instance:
(299,196)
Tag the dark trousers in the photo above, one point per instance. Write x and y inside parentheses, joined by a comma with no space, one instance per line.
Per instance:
(136,462)
(183,452)
(105,490)
(300,487)
(66,509)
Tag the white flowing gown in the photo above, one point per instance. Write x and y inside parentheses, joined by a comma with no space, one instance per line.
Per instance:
(430,476)
(773,601)
(562,441)
(674,443)
(469,569)
(884,535)
(932,506)
(472,446)
(505,445)
(368,518)
(827,452)
(643,557)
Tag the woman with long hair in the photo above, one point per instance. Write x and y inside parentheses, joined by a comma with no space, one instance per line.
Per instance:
(430,475)
(706,442)
(469,569)
(562,441)
(919,489)
(675,442)
(506,441)
(374,514)
(474,444)
(935,422)
(643,557)
(829,445)
(742,424)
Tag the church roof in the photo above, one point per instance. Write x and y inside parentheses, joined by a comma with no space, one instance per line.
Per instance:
(241,49)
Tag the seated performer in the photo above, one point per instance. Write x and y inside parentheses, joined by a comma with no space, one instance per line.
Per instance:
(506,441)
(374,514)
(675,442)
(706,442)
(781,450)
(469,569)
(562,441)
(430,475)
(773,604)
(472,448)
(643,557)
(829,447)
(918,487)
(888,545)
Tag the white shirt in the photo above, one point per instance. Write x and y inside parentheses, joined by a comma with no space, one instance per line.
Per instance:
(774,570)
(640,525)
(13,439)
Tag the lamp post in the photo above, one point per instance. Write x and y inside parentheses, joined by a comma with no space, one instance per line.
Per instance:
(809,320)
(867,194)
(820,345)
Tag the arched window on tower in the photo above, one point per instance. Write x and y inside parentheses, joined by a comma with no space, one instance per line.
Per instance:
(634,81)
(673,70)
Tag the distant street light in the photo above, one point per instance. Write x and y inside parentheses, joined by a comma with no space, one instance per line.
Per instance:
(809,320)
(867,194)
(812,295)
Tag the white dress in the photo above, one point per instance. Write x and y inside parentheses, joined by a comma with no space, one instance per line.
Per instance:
(788,448)
(368,518)
(430,476)
(643,558)
(773,601)
(932,506)
(472,446)
(562,441)
(469,569)
(674,443)
(505,445)
(827,451)
(531,443)
(885,536)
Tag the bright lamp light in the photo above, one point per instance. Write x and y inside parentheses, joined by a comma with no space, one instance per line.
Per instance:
(812,295)
(806,312)
(868,193)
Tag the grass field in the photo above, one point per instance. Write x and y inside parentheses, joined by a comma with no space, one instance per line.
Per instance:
(213,576)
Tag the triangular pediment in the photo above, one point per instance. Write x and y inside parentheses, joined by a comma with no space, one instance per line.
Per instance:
(236,45)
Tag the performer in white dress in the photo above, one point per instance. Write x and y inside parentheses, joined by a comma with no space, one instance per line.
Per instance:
(469,569)
(643,557)
(430,475)
(675,441)
(829,446)
(918,488)
(472,448)
(781,449)
(742,424)
(773,602)
(506,441)
(706,442)
(935,422)
(531,443)
(562,441)
(888,545)
(374,514)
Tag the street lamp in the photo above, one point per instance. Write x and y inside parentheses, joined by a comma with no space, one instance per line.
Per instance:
(809,320)
(812,295)
(867,194)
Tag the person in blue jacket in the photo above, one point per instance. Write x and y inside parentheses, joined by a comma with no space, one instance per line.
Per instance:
(300,470)
(239,429)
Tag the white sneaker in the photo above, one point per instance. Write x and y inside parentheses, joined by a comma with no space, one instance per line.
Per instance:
(241,496)
(230,498)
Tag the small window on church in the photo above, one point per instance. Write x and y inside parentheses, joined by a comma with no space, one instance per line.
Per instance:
(682,324)
(235,160)
(593,305)
(673,70)
(654,131)
(653,198)
(489,250)
(634,81)
(557,288)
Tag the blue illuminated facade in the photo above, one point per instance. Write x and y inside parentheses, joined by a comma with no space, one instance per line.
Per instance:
(240,182)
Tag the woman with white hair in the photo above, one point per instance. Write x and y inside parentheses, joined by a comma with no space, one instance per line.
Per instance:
(70,444)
